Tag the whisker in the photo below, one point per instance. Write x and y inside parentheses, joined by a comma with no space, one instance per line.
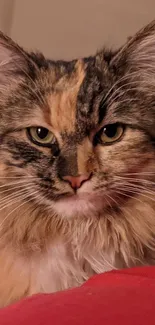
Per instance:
(16,208)
(128,189)
(15,188)
(13,200)
(121,192)
(22,182)
(13,196)
(133,178)
(140,191)
(108,201)
(136,186)
(112,199)
(133,82)
(120,94)
(127,100)
(140,173)
(12,177)
(137,183)
(125,77)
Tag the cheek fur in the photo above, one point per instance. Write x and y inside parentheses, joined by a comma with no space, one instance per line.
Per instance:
(133,151)
(104,162)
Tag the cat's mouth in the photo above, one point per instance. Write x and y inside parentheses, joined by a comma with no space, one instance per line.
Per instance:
(87,204)
(78,196)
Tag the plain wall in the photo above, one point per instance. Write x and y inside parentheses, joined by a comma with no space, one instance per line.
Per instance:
(6,15)
(74,28)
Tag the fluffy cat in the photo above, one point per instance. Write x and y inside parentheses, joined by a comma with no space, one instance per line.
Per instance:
(77,172)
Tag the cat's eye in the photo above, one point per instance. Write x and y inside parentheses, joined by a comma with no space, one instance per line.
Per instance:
(110,133)
(41,136)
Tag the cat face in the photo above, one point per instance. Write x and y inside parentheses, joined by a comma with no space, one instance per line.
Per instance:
(77,137)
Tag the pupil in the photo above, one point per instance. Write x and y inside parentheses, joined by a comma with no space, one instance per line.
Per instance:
(110,130)
(42,133)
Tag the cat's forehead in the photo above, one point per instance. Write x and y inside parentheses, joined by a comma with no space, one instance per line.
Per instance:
(72,98)
(62,100)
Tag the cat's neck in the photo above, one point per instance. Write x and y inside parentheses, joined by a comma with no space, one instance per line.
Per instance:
(48,253)
(124,231)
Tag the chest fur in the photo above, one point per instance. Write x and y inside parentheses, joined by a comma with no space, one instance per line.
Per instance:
(49,260)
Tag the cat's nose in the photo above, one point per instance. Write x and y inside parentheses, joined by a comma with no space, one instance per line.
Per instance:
(76,181)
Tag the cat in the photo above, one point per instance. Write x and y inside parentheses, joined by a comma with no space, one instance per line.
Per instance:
(77,172)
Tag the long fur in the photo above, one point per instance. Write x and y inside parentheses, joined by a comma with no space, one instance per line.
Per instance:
(51,238)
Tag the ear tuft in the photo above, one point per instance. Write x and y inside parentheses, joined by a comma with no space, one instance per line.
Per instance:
(12,58)
(138,50)
(134,68)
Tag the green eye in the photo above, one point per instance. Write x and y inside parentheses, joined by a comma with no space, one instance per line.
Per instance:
(41,136)
(110,133)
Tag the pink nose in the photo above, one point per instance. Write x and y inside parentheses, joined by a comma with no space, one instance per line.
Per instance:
(76,181)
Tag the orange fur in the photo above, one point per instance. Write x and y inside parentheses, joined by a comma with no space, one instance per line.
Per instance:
(62,102)
(59,253)
(51,238)
(85,157)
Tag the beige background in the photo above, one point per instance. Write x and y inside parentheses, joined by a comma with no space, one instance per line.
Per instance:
(70,28)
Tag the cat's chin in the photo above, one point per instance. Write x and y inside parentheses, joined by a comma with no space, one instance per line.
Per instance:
(86,204)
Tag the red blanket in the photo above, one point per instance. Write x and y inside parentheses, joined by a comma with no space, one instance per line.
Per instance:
(123,297)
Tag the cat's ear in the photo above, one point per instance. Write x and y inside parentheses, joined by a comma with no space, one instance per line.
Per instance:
(134,69)
(138,54)
(12,59)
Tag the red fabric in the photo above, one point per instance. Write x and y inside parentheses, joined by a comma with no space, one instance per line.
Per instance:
(119,297)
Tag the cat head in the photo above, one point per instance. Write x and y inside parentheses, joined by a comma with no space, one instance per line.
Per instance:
(77,137)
